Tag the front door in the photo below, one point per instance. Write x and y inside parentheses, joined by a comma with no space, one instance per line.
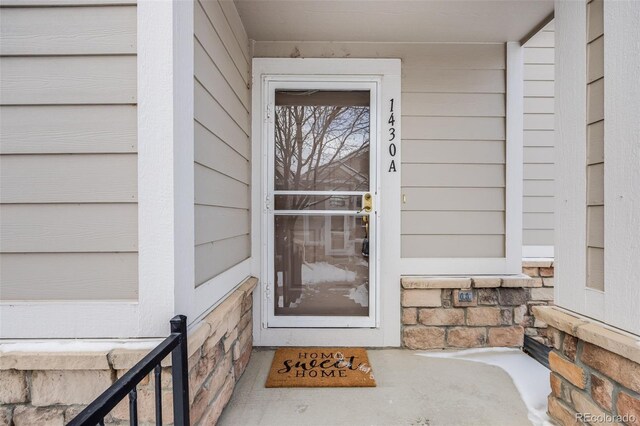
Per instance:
(321,192)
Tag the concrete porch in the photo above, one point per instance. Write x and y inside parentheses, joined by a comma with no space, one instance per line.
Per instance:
(412,390)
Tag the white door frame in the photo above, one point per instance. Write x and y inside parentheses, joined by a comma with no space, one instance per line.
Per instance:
(385,73)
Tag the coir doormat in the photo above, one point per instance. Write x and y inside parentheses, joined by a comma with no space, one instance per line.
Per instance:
(320,367)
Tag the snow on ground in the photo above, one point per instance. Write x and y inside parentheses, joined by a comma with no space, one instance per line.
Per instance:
(360,295)
(530,377)
(323,272)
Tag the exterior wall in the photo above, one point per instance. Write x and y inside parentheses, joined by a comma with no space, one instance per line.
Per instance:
(68,145)
(52,387)
(453,141)
(222,168)
(596,365)
(595,376)
(539,174)
(499,314)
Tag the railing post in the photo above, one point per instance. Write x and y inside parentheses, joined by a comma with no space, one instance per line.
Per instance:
(180,373)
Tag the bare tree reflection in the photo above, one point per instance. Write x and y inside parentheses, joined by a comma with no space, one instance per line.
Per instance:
(321,144)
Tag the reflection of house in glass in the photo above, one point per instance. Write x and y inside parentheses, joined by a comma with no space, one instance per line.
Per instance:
(321,144)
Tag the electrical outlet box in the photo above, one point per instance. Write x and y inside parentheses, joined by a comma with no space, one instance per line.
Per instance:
(465,296)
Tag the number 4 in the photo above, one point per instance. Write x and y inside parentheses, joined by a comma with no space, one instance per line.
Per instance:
(392,120)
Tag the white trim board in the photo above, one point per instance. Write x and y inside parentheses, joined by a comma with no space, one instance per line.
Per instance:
(388,203)
(514,157)
(211,293)
(458,266)
(538,251)
(570,153)
(621,173)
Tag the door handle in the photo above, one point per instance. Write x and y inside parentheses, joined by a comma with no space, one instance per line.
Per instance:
(367,202)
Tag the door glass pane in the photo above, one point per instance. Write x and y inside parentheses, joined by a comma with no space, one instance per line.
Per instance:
(321,140)
(320,268)
(318,202)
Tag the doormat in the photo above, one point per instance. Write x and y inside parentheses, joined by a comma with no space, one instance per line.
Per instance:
(320,367)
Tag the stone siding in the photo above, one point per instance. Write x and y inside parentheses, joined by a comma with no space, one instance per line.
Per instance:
(499,312)
(49,389)
(595,371)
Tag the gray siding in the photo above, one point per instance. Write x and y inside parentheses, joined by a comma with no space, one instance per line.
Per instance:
(453,147)
(539,139)
(68,145)
(595,145)
(222,147)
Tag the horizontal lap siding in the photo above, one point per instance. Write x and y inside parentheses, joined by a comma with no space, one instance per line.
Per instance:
(538,221)
(108,273)
(595,163)
(222,170)
(453,147)
(453,154)
(68,145)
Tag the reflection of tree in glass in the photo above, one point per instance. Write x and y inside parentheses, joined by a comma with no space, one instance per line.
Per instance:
(321,144)
(321,148)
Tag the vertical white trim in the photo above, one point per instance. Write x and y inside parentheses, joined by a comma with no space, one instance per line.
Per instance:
(183,158)
(570,149)
(389,212)
(621,172)
(593,303)
(156,186)
(514,166)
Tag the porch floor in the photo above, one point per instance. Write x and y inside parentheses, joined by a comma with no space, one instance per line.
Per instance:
(412,390)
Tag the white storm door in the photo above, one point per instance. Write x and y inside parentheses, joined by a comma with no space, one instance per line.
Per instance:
(321,191)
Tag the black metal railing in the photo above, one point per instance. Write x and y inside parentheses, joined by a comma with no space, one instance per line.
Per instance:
(176,345)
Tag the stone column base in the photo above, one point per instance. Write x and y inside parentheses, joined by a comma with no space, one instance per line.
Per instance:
(473,312)
(51,388)
(595,370)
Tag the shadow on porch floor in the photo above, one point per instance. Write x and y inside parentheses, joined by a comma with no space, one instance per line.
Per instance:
(412,390)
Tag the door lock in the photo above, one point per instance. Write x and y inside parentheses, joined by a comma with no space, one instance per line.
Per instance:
(367,202)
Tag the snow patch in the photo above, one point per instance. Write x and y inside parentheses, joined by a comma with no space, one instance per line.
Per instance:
(360,295)
(530,377)
(323,272)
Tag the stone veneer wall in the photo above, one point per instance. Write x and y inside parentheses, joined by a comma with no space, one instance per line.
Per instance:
(39,388)
(498,315)
(595,371)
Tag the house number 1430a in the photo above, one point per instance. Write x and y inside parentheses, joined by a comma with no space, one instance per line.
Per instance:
(392,137)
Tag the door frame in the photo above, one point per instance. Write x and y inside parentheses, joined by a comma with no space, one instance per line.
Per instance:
(386,74)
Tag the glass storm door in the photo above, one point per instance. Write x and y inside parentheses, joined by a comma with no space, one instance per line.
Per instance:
(321,198)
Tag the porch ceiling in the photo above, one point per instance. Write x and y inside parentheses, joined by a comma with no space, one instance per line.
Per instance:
(392,20)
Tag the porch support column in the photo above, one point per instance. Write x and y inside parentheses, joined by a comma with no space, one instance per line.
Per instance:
(165,161)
